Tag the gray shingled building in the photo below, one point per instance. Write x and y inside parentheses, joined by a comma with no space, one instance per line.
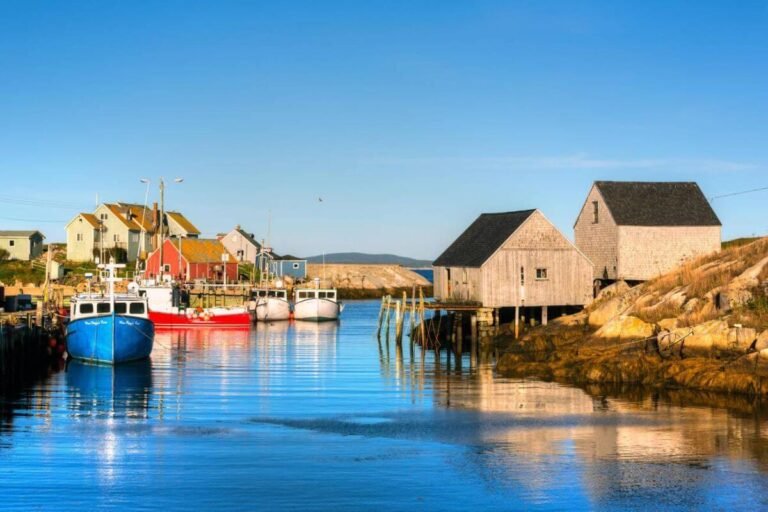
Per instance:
(513,259)
(637,230)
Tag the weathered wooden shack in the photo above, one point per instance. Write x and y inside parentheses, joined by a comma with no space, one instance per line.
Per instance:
(637,230)
(512,260)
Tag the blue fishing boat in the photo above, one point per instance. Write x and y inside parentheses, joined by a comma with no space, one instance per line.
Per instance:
(110,328)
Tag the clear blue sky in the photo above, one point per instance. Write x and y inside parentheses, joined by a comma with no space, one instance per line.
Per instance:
(407,118)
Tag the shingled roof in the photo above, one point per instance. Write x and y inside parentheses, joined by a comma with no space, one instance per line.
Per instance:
(640,203)
(481,239)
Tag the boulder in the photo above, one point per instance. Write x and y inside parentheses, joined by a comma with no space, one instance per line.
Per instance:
(701,339)
(613,290)
(740,340)
(668,324)
(762,341)
(625,327)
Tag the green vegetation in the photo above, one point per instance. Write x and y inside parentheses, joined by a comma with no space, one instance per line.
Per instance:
(738,242)
(23,271)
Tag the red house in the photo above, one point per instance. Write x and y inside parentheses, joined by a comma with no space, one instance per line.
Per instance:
(199,259)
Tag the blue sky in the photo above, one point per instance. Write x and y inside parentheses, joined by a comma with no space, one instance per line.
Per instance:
(407,118)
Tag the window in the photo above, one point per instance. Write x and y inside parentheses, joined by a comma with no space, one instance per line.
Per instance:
(522,276)
(136,308)
(121,308)
(464,276)
(134,237)
(167,267)
(79,237)
(115,237)
(12,242)
(296,266)
(86,309)
(541,274)
(103,307)
(595,213)
(103,216)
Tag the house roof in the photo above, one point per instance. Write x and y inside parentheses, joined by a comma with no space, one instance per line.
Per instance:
(120,213)
(481,239)
(202,250)
(141,215)
(182,221)
(91,219)
(19,234)
(248,237)
(640,203)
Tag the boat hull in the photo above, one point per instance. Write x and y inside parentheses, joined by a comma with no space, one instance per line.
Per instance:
(240,318)
(316,310)
(270,309)
(90,339)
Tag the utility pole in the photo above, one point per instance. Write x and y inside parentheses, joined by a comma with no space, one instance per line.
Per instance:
(162,225)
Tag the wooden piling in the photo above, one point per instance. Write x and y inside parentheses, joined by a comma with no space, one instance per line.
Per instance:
(459,347)
(473,339)
(517,321)
(381,317)
(421,316)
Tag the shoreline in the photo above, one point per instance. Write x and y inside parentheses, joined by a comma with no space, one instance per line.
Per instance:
(571,355)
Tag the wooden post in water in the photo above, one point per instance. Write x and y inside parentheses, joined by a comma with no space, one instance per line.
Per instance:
(412,333)
(398,322)
(387,315)
(381,316)
(421,316)
(473,339)
(459,347)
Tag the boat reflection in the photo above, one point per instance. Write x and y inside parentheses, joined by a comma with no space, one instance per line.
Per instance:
(121,390)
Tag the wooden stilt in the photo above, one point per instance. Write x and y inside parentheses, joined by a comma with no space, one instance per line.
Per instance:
(517,321)
(544,315)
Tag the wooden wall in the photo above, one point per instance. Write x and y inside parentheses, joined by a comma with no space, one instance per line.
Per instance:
(599,242)
(537,244)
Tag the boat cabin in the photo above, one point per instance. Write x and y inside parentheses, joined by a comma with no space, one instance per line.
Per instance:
(93,306)
(314,293)
(261,293)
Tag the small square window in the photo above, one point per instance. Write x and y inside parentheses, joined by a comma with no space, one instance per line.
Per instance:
(12,243)
(541,274)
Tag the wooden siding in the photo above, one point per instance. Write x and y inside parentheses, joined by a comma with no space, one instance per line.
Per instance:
(464,284)
(537,244)
(599,242)
(647,251)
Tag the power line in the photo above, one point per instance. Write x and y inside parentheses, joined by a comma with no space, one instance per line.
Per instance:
(738,193)
(34,220)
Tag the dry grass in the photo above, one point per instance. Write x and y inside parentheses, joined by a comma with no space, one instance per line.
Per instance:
(706,273)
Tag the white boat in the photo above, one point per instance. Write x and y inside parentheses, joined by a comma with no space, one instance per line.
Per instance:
(268,304)
(316,305)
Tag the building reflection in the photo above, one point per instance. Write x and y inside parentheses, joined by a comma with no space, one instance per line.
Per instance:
(527,425)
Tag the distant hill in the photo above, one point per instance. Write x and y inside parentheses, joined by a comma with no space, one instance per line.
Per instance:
(363,258)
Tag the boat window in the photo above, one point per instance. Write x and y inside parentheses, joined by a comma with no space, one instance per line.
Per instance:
(322,295)
(137,308)
(121,308)
(86,309)
(102,307)
(262,293)
(331,295)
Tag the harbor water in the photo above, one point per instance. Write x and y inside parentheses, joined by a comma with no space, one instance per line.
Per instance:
(305,416)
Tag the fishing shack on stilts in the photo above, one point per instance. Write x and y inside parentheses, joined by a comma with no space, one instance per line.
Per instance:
(512,267)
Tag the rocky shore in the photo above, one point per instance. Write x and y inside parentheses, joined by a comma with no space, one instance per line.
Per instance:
(703,326)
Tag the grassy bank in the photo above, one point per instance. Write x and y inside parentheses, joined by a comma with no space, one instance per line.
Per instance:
(377,293)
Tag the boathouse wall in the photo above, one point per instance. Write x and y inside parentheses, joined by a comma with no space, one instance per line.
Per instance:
(536,266)
(598,236)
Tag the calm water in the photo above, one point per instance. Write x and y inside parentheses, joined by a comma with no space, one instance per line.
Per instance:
(321,417)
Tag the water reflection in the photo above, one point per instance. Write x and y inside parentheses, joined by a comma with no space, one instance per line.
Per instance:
(324,416)
(110,391)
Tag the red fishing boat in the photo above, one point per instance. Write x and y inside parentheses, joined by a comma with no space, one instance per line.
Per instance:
(167,309)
